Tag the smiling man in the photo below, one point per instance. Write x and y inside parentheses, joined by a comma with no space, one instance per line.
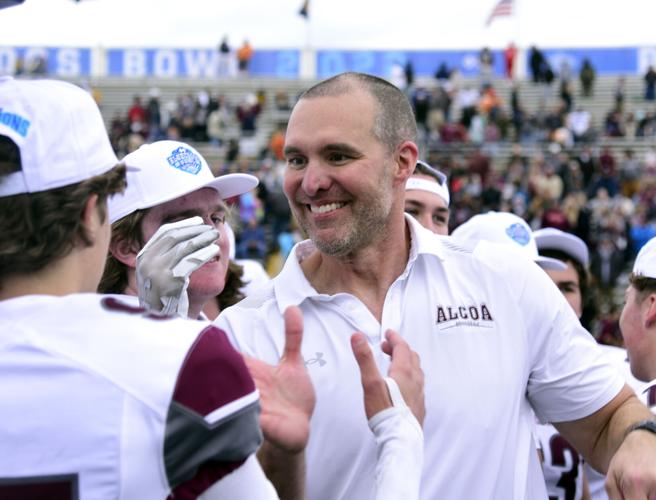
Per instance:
(350,149)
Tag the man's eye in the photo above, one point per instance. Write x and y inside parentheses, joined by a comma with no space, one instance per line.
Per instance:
(337,158)
(218,219)
(296,162)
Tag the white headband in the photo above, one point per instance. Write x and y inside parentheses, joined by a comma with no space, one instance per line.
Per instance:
(415,183)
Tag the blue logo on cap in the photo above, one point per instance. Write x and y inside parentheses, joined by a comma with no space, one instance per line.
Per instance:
(17,123)
(186,160)
(518,233)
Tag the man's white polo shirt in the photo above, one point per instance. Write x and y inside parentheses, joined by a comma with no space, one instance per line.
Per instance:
(489,329)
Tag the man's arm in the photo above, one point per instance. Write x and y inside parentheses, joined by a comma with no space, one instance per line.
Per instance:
(601,438)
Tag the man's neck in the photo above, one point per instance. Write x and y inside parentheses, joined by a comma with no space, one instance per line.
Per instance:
(60,278)
(367,273)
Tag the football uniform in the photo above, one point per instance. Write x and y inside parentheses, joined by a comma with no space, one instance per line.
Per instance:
(490,352)
(619,358)
(562,464)
(101,400)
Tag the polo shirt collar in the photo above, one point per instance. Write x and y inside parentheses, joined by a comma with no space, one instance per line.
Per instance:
(291,287)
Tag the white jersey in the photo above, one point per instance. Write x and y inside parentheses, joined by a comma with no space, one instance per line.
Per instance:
(490,353)
(100,401)
(562,465)
(619,358)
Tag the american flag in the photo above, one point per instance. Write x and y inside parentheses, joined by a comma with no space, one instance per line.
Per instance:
(502,8)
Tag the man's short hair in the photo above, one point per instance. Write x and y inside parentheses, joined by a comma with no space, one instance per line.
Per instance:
(126,230)
(39,228)
(394,122)
(644,285)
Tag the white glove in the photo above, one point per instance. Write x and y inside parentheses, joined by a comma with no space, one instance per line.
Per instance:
(399,449)
(166,261)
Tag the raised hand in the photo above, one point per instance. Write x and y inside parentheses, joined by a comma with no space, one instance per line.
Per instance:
(405,369)
(286,392)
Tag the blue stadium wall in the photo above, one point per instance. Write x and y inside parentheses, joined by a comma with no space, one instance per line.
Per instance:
(203,63)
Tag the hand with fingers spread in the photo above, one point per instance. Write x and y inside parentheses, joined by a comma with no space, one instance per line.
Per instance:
(167,260)
(286,392)
(287,399)
(395,408)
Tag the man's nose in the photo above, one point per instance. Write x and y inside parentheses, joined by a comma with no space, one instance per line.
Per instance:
(316,177)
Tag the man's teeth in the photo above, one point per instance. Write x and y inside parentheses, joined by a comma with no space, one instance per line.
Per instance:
(325,208)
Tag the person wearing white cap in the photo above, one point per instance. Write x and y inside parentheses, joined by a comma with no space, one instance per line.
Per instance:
(106,400)
(503,228)
(638,318)
(573,282)
(170,182)
(101,401)
(427,198)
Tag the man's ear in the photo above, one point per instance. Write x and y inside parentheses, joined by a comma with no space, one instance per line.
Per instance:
(124,251)
(650,315)
(406,160)
(91,219)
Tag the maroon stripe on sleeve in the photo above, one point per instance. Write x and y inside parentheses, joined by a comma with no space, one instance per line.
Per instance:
(212,375)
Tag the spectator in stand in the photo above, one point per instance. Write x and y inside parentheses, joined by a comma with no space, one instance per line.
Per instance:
(281,101)
(613,125)
(486,66)
(409,71)
(650,84)
(509,56)
(630,173)
(154,116)
(619,94)
(466,101)
(137,114)
(587,77)
(224,57)
(443,73)
(244,56)
(247,113)
(578,122)
(536,63)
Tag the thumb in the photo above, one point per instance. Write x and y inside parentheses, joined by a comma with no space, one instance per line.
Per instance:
(293,334)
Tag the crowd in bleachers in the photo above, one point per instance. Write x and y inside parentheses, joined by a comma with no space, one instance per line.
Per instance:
(560,173)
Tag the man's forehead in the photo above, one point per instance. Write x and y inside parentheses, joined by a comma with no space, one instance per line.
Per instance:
(203,200)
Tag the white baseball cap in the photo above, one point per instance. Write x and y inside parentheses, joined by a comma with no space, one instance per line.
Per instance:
(645,263)
(439,187)
(59,132)
(165,170)
(506,229)
(550,238)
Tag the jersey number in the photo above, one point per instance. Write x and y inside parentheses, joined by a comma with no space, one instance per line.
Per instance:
(559,447)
